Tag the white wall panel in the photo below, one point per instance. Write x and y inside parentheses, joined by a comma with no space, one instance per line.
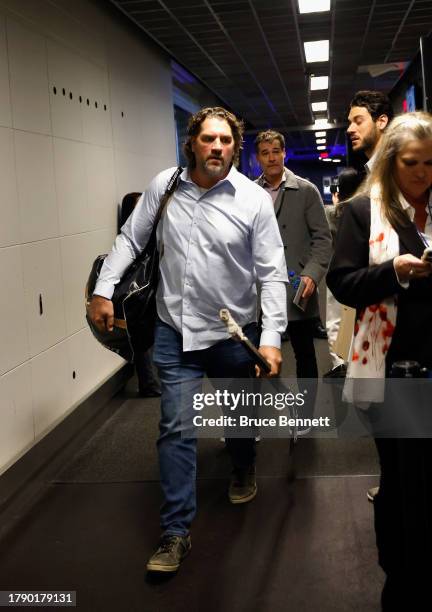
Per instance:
(62,174)
(65,91)
(71,186)
(131,173)
(36,186)
(61,23)
(28,79)
(9,212)
(163,141)
(5,107)
(16,415)
(127,116)
(14,338)
(51,383)
(95,108)
(43,281)
(88,360)
(101,192)
(78,253)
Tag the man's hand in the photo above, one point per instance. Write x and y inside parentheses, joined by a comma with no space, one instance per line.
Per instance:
(101,312)
(274,357)
(309,288)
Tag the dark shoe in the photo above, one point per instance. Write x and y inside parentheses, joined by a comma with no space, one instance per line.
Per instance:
(171,552)
(372,493)
(149,392)
(243,487)
(319,331)
(337,372)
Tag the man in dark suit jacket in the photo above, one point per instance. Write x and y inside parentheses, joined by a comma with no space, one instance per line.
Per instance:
(306,238)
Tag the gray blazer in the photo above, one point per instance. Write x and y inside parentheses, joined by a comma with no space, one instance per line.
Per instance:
(305,234)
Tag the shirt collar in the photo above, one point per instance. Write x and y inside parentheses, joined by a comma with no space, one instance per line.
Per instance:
(370,164)
(267,185)
(410,209)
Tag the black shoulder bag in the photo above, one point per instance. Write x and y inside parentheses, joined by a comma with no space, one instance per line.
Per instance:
(134,296)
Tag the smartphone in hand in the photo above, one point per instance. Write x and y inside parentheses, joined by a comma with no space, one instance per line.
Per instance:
(298,300)
(427,255)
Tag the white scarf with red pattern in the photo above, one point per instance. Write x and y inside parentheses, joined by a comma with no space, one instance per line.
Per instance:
(375,324)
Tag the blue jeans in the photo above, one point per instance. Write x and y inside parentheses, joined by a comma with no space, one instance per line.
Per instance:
(180,374)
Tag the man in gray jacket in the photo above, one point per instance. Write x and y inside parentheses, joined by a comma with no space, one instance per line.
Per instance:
(307,242)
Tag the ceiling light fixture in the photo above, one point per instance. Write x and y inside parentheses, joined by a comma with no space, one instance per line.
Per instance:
(320,82)
(337,160)
(321,141)
(320,134)
(319,106)
(321,148)
(322,123)
(316,51)
(328,159)
(313,6)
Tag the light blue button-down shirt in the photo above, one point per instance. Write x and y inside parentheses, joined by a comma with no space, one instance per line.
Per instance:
(216,244)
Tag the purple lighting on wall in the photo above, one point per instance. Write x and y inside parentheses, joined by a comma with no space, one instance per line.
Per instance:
(181,74)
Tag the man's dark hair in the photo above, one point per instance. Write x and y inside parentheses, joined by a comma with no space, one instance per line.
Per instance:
(376,103)
(129,202)
(194,128)
(269,136)
(349,181)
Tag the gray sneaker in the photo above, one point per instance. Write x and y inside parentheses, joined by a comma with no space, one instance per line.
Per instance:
(243,486)
(171,552)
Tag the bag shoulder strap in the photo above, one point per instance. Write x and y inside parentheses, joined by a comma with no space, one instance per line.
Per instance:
(171,187)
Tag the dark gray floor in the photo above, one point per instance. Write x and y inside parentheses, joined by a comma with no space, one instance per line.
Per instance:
(302,545)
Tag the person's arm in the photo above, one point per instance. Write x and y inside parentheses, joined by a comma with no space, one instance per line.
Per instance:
(270,266)
(131,241)
(320,240)
(128,244)
(350,277)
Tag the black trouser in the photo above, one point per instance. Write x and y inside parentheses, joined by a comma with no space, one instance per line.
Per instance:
(403,521)
(302,341)
(147,377)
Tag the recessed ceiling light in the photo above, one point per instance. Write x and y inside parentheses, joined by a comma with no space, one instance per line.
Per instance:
(337,160)
(321,141)
(313,6)
(320,134)
(321,148)
(327,159)
(319,106)
(322,123)
(319,83)
(316,51)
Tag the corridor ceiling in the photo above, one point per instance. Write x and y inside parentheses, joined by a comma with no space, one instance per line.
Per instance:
(250,52)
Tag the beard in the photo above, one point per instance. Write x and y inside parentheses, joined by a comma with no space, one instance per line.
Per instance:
(211,169)
(370,140)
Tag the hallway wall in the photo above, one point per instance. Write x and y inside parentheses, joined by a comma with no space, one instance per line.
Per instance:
(86,115)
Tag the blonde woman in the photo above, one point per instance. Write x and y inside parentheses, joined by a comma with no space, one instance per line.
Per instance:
(378,269)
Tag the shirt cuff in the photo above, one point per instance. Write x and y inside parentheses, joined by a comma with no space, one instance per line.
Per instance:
(104,289)
(404,284)
(270,338)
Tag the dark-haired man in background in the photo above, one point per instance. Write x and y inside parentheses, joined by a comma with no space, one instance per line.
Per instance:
(220,237)
(369,114)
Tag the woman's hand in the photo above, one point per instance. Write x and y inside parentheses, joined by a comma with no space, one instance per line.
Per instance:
(408,267)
